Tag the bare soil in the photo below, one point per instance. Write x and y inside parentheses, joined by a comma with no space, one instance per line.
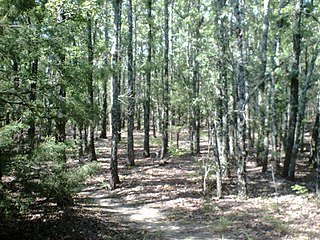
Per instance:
(164,200)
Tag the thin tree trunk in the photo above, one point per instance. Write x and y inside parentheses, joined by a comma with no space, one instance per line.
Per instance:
(294,90)
(241,121)
(218,154)
(131,93)
(114,180)
(165,82)
(318,150)
(104,114)
(92,151)
(300,117)
(263,66)
(223,89)
(32,97)
(146,144)
(80,145)
(274,132)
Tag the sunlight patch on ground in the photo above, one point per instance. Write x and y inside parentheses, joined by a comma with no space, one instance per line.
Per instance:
(146,214)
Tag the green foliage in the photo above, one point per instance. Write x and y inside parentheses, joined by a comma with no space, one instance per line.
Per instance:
(7,144)
(7,133)
(52,177)
(300,190)
(177,152)
(43,174)
(12,204)
(5,203)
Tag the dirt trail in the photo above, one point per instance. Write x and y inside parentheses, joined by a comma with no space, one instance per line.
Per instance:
(167,202)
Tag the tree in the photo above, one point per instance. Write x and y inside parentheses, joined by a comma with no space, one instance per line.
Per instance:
(115,88)
(301,113)
(146,144)
(165,83)
(92,151)
(131,94)
(241,97)
(104,109)
(195,108)
(263,66)
(294,89)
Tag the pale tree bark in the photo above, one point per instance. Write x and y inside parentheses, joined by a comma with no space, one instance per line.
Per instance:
(274,129)
(318,149)
(222,129)
(32,98)
(92,151)
(119,69)
(60,128)
(114,180)
(146,143)
(104,115)
(172,109)
(240,108)
(294,89)
(165,83)
(274,132)
(263,66)
(131,93)
(217,154)
(300,117)
(195,108)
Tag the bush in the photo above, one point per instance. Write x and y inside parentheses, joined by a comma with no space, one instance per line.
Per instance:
(7,144)
(51,177)
(42,175)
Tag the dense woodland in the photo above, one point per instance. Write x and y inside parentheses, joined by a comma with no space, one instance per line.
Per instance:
(223,81)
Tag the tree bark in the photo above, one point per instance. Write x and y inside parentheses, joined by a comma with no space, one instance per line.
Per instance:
(195,111)
(92,151)
(104,115)
(32,98)
(165,82)
(294,90)
(146,143)
(114,180)
(131,93)
(241,89)
(318,150)
(300,117)
(263,66)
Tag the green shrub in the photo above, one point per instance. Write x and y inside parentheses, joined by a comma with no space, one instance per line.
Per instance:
(300,190)
(7,144)
(51,177)
(44,174)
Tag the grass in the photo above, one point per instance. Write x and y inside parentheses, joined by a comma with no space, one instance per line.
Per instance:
(222,225)
(158,235)
(155,141)
(276,223)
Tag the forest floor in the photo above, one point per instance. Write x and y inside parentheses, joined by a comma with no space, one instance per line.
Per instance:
(164,200)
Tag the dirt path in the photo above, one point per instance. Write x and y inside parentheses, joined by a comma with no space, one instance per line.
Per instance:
(167,202)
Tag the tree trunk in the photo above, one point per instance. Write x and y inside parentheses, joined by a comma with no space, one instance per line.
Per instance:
(92,151)
(300,117)
(131,93)
(318,150)
(104,116)
(165,82)
(195,111)
(114,180)
(294,91)
(217,155)
(263,66)
(146,143)
(32,97)
(241,89)
(223,88)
